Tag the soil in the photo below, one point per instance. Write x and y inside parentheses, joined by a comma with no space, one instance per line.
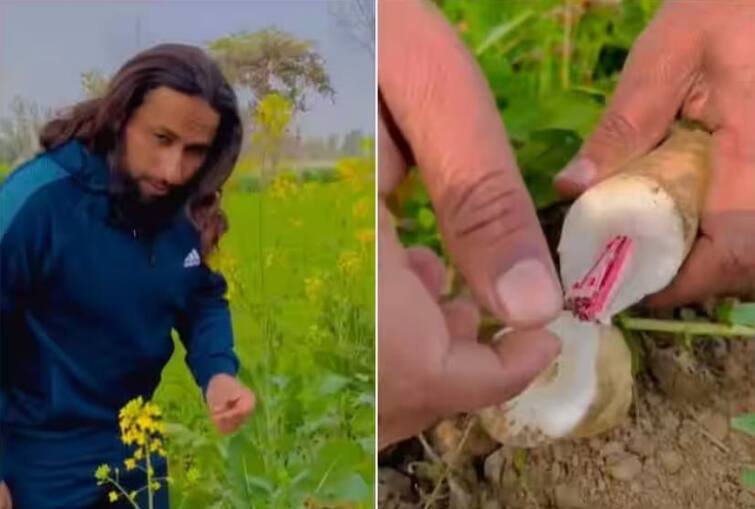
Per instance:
(675,449)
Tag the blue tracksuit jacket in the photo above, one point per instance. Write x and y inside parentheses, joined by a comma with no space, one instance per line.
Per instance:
(87,312)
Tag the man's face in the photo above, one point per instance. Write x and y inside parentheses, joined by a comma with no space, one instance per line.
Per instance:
(167,140)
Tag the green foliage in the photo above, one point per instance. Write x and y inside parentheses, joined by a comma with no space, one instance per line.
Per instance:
(273,61)
(271,119)
(551,65)
(303,314)
(746,424)
(737,313)
(323,175)
(748,478)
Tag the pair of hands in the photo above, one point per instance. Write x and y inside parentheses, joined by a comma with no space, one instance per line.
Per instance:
(229,403)
(695,59)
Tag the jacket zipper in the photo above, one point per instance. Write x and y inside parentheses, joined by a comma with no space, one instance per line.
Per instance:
(150,247)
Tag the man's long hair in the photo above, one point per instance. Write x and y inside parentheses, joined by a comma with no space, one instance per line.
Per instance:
(100,124)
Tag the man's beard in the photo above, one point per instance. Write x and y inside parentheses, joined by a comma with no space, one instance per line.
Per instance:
(129,208)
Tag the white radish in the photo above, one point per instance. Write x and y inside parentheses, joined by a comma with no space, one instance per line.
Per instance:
(585,391)
(654,203)
(623,239)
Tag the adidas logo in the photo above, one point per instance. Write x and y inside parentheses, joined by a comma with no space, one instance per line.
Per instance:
(192,259)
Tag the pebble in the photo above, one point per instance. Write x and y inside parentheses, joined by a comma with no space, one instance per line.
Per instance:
(625,469)
(746,500)
(653,399)
(642,446)
(568,497)
(492,467)
(557,471)
(670,421)
(716,424)
(671,461)
(612,449)
(392,484)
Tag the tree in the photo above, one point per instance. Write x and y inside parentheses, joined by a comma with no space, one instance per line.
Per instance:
(357,19)
(332,145)
(352,143)
(20,131)
(271,61)
(94,83)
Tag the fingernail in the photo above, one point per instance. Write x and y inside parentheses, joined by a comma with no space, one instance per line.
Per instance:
(579,172)
(528,293)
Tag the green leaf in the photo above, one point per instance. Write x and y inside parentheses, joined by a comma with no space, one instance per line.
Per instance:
(333,469)
(260,483)
(737,313)
(635,349)
(744,423)
(426,218)
(748,478)
(332,384)
(542,157)
(349,489)
(520,460)
(502,31)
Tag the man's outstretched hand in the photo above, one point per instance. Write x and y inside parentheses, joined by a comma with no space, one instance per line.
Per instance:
(229,402)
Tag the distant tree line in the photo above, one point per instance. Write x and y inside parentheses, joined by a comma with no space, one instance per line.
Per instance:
(256,63)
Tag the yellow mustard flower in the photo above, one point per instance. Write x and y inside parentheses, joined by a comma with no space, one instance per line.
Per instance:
(193,475)
(361,208)
(349,263)
(313,287)
(365,237)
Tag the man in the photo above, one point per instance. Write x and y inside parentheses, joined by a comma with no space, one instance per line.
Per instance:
(103,238)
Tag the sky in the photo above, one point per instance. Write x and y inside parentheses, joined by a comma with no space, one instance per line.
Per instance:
(45,46)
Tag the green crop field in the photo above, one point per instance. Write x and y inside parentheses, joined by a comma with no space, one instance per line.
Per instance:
(299,259)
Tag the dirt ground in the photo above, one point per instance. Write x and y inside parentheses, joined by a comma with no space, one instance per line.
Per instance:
(675,450)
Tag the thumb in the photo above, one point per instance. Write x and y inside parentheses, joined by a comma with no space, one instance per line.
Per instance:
(476,375)
(429,83)
(658,75)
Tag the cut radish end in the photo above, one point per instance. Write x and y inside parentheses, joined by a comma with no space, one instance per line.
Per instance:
(590,296)
(585,391)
